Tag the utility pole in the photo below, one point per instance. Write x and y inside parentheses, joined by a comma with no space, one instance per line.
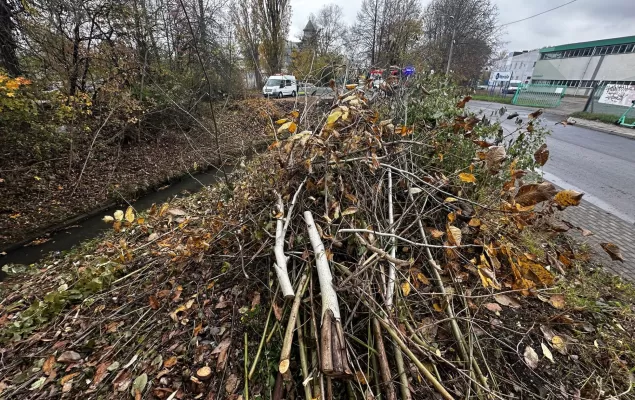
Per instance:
(447,69)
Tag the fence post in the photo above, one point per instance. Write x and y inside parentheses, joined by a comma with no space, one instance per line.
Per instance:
(589,101)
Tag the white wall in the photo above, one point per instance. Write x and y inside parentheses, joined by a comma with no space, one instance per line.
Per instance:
(615,67)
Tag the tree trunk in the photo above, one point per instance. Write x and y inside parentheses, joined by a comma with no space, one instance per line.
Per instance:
(8,46)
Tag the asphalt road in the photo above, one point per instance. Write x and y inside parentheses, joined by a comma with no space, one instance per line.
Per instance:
(596,163)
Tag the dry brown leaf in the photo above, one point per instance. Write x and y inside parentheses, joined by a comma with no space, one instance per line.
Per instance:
(506,301)
(69,357)
(542,155)
(531,357)
(557,301)
(493,307)
(177,212)
(613,251)
(100,373)
(462,103)
(436,234)
(68,377)
(197,329)
(534,193)
(475,222)
(221,350)
(154,303)
(170,362)
(277,311)
(465,177)
(566,198)
(454,235)
(232,384)
(494,157)
(48,365)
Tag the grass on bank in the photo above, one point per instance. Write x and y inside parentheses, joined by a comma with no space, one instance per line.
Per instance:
(493,99)
(606,118)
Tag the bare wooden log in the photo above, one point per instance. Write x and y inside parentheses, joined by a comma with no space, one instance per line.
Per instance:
(334,361)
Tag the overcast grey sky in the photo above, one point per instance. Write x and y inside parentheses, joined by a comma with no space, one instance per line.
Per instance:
(580,21)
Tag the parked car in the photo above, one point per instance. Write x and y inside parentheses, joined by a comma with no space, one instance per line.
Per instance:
(280,86)
(513,87)
(306,88)
(482,87)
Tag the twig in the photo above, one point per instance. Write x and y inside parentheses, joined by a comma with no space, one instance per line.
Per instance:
(246,367)
(262,341)
(288,336)
(432,246)
(381,253)
(422,368)
(303,359)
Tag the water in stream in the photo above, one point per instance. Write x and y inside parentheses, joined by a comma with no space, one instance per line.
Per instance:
(65,239)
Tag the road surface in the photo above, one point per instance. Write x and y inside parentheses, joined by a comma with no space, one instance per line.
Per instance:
(596,163)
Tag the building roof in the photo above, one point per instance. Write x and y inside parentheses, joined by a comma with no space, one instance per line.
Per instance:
(309,26)
(583,45)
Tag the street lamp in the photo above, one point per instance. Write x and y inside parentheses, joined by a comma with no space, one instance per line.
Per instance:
(447,69)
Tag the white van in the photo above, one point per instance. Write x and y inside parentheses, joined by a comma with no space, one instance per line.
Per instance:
(280,86)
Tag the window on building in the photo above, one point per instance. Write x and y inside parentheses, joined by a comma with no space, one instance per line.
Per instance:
(587,52)
(622,49)
(629,48)
(603,50)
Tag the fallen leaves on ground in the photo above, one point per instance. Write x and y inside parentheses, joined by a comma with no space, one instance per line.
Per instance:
(613,251)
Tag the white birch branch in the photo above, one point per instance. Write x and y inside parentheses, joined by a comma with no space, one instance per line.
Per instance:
(329,297)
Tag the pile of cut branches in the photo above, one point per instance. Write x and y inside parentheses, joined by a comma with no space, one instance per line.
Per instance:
(358,259)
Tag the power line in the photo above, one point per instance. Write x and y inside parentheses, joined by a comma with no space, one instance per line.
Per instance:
(544,12)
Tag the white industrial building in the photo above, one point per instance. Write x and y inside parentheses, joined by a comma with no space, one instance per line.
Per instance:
(581,66)
(519,65)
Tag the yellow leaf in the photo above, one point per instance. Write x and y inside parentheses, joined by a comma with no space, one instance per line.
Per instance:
(450,200)
(333,117)
(295,114)
(557,301)
(68,377)
(10,94)
(349,211)
(465,177)
(567,198)
(436,233)
(108,219)
(281,121)
(559,344)
(437,307)
(440,157)
(130,214)
(293,127)
(454,235)
(286,126)
(119,215)
(475,222)
(351,86)
(163,209)
(546,352)
(405,288)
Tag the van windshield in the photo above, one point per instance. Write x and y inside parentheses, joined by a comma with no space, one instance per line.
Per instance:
(274,82)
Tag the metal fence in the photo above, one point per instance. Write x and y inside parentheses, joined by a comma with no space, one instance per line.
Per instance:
(593,105)
(539,95)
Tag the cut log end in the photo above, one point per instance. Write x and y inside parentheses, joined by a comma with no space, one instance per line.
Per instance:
(334,358)
(283,366)
(204,373)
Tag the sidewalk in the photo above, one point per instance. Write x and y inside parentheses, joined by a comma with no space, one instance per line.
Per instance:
(604,127)
(605,228)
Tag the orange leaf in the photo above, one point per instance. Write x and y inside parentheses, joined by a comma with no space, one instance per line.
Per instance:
(465,177)
(170,362)
(154,303)
(198,329)
(47,368)
(68,377)
(100,374)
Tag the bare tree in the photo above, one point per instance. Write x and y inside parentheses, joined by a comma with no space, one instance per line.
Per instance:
(386,30)
(476,35)
(330,29)
(274,17)
(249,36)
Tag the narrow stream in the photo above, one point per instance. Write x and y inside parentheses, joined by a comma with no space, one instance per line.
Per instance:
(91,227)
